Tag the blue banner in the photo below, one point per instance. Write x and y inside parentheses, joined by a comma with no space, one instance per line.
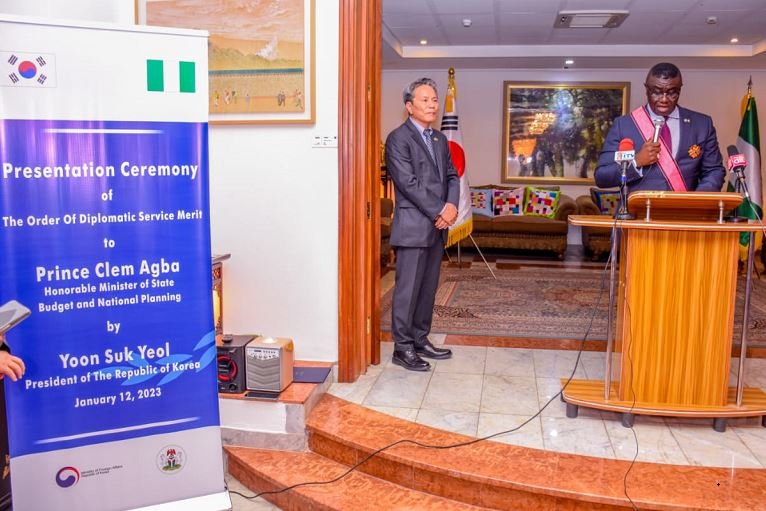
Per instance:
(105,236)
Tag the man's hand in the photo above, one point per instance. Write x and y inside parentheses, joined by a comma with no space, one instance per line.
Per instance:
(449,213)
(11,366)
(649,153)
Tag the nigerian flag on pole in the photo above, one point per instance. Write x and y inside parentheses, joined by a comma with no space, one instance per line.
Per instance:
(749,144)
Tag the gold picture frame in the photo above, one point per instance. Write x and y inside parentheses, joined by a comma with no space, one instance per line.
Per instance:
(261,65)
(553,132)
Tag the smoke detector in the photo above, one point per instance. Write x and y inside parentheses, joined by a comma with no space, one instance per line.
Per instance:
(590,19)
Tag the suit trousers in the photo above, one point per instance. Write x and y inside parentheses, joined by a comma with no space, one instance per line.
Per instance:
(417,277)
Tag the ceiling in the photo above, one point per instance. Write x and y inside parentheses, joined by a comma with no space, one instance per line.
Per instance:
(520,34)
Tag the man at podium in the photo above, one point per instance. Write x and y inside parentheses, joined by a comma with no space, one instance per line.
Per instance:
(676,149)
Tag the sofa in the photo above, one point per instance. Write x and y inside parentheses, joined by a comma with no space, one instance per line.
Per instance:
(507,217)
(597,241)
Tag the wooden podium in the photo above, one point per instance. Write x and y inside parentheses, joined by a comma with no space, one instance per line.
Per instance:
(675,301)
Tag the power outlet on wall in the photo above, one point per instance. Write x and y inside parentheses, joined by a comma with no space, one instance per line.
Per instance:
(321,141)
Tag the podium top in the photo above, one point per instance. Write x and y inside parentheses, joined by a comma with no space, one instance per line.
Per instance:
(679,205)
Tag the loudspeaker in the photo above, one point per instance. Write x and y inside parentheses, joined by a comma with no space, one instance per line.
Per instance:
(231,362)
(269,363)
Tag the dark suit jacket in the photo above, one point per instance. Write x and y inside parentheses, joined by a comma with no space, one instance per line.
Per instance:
(705,173)
(422,187)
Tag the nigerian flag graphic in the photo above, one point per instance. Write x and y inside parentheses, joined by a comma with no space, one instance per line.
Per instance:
(749,144)
(170,76)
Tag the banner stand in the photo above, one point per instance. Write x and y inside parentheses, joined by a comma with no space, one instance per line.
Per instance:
(105,236)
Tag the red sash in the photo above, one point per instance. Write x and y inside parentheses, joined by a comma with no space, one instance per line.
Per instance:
(667,163)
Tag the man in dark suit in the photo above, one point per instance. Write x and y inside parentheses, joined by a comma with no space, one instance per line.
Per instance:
(686,156)
(427,189)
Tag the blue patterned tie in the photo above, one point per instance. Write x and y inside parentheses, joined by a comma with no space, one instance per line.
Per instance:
(429,143)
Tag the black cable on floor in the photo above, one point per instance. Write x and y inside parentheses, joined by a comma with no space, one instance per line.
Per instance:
(476,440)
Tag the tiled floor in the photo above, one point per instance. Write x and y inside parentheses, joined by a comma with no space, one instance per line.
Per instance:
(482,391)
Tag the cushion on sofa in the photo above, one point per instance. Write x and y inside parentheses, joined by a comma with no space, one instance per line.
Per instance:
(508,202)
(541,202)
(606,201)
(527,224)
(481,201)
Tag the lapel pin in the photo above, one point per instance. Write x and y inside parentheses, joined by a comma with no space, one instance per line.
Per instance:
(687,120)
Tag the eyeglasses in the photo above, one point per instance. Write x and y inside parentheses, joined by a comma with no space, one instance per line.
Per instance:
(658,93)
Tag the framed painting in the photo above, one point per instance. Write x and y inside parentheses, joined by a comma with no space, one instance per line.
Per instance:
(261,55)
(553,132)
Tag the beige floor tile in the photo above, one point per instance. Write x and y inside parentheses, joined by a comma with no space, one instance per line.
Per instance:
(408,414)
(582,435)
(514,395)
(557,364)
(454,392)
(510,362)
(529,435)
(240,503)
(653,441)
(753,435)
(705,447)
(464,423)
(593,364)
(356,391)
(399,388)
(465,360)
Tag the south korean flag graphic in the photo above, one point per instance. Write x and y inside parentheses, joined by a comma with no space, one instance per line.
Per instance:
(28,69)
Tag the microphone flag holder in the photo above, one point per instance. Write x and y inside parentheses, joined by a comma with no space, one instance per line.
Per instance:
(736,164)
(625,157)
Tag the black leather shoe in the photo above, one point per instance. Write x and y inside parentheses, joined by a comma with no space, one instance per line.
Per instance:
(410,360)
(428,350)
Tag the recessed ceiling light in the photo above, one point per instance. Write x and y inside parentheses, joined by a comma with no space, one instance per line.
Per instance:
(424,41)
(734,40)
(569,62)
(467,22)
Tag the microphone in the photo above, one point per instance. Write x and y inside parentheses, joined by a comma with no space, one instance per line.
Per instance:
(624,154)
(737,161)
(625,151)
(737,164)
(658,123)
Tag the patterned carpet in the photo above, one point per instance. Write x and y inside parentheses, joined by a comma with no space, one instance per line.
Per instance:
(541,302)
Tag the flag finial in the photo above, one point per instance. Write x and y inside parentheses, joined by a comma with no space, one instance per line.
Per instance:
(750,87)
(451,86)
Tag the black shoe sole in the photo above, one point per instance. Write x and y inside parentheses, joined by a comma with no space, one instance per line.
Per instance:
(444,356)
(409,367)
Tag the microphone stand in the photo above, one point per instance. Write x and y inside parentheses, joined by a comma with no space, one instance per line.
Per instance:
(622,212)
(741,188)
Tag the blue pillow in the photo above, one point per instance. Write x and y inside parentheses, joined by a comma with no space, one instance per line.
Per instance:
(481,201)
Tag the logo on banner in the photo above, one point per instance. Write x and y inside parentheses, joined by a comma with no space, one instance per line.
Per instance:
(67,476)
(167,76)
(171,459)
(28,69)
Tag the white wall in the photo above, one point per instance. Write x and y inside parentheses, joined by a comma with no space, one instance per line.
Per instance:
(480,98)
(274,207)
(273,200)
(116,11)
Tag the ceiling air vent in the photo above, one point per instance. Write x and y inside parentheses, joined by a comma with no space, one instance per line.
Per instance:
(590,19)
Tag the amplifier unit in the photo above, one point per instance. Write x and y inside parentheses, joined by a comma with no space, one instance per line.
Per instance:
(231,362)
(269,364)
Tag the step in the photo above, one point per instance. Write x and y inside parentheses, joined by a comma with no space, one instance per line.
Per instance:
(273,424)
(267,470)
(508,477)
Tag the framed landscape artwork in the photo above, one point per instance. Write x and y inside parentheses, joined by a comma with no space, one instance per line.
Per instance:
(261,55)
(553,132)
